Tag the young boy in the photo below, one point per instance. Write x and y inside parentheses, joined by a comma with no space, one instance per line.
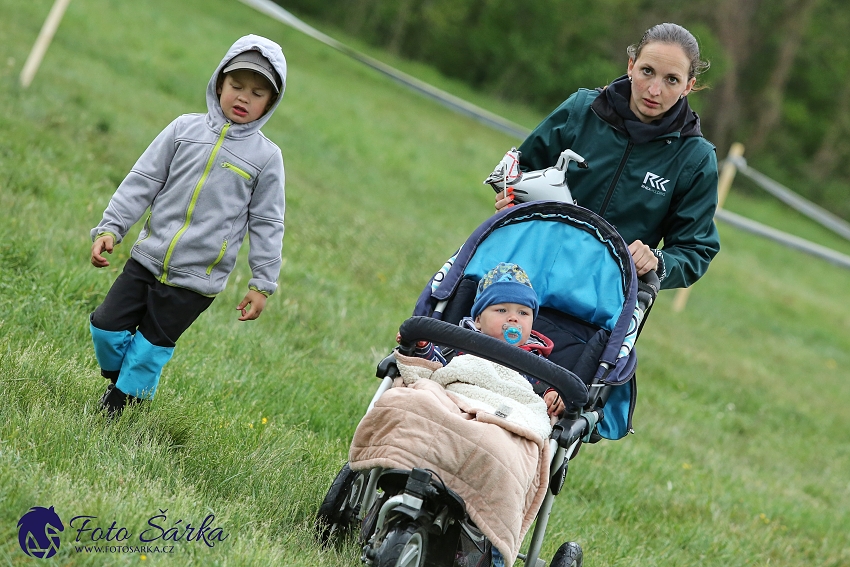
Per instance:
(505,307)
(208,179)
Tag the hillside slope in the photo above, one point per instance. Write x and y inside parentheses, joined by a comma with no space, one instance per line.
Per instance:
(740,456)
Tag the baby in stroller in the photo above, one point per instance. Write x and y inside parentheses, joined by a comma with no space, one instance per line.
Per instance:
(504,308)
(426,482)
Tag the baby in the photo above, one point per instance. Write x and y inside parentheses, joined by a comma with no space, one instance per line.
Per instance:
(505,307)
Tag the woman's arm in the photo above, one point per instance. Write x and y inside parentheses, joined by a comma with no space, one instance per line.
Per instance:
(690,236)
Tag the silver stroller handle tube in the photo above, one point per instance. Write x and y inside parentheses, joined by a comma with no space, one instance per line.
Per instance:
(441,306)
(532,558)
(386,384)
(370,492)
(387,371)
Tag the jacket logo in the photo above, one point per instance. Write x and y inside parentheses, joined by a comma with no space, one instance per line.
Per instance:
(655,183)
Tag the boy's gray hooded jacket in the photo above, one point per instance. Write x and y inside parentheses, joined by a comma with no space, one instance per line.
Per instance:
(207,181)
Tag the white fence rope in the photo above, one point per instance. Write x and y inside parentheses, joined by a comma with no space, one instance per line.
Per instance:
(795,201)
(457,104)
(789,240)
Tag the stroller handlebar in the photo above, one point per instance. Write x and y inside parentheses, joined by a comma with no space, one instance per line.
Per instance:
(648,286)
(570,387)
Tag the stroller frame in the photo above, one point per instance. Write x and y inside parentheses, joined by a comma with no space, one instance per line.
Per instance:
(354,496)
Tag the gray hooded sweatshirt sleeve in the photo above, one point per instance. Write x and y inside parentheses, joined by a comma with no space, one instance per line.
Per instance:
(207,183)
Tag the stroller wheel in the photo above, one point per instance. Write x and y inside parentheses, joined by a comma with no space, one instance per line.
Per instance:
(403,546)
(341,505)
(568,555)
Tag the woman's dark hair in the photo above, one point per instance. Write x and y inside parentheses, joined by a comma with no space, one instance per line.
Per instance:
(675,34)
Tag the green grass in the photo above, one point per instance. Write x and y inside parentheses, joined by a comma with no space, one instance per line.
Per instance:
(741,453)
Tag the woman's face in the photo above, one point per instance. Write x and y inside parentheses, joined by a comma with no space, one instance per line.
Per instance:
(659,78)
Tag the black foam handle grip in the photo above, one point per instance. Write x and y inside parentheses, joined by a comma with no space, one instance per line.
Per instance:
(572,390)
(648,286)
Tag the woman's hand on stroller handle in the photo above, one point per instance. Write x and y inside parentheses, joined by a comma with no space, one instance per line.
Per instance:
(644,258)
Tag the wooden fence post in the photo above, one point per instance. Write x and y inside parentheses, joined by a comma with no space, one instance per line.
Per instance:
(43,40)
(724,183)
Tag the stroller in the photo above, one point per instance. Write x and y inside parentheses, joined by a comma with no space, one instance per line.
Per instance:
(591,305)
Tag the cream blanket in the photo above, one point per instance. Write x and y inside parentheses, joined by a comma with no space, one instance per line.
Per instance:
(476,425)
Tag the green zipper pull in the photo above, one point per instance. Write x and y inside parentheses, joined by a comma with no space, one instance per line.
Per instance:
(236,170)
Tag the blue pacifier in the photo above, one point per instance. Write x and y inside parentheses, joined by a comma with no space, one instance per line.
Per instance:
(512,333)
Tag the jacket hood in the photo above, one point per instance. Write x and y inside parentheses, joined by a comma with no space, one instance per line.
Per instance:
(271,51)
(612,106)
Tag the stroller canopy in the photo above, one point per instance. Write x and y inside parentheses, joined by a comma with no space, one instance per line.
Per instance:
(577,262)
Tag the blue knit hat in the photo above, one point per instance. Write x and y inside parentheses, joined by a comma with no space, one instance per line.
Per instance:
(506,283)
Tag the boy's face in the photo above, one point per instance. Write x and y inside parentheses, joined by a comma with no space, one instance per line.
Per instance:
(244,96)
(492,320)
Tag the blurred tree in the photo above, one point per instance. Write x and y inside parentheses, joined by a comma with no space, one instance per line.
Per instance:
(733,20)
(779,82)
(796,16)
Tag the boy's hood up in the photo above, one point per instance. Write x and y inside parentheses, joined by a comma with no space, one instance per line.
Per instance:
(272,52)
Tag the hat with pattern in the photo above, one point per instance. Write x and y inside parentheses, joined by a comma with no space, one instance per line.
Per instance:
(506,283)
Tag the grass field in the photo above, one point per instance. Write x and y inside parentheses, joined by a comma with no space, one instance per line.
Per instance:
(741,455)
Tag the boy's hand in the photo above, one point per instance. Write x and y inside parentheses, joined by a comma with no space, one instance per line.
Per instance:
(256,301)
(101,244)
(554,405)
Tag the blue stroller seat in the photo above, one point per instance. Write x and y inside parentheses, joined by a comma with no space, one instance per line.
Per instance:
(584,277)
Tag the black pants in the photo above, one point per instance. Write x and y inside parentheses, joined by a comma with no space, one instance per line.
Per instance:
(138,301)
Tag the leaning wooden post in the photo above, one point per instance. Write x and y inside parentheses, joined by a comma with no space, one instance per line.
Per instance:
(724,183)
(43,40)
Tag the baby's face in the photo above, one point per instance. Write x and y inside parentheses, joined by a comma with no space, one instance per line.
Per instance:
(244,96)
(494,319)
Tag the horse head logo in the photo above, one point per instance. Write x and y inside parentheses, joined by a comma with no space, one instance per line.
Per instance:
(38,532)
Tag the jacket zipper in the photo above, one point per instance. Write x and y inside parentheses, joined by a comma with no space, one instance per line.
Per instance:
(192,203)
(616,179)
(236,170)
(218,259)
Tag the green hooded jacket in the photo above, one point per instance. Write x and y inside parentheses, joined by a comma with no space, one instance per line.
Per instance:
(661,190)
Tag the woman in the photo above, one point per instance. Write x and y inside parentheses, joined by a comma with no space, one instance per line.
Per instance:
(652,174)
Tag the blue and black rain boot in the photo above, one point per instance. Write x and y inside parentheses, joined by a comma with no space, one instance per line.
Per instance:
(142,367)
(109,349)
